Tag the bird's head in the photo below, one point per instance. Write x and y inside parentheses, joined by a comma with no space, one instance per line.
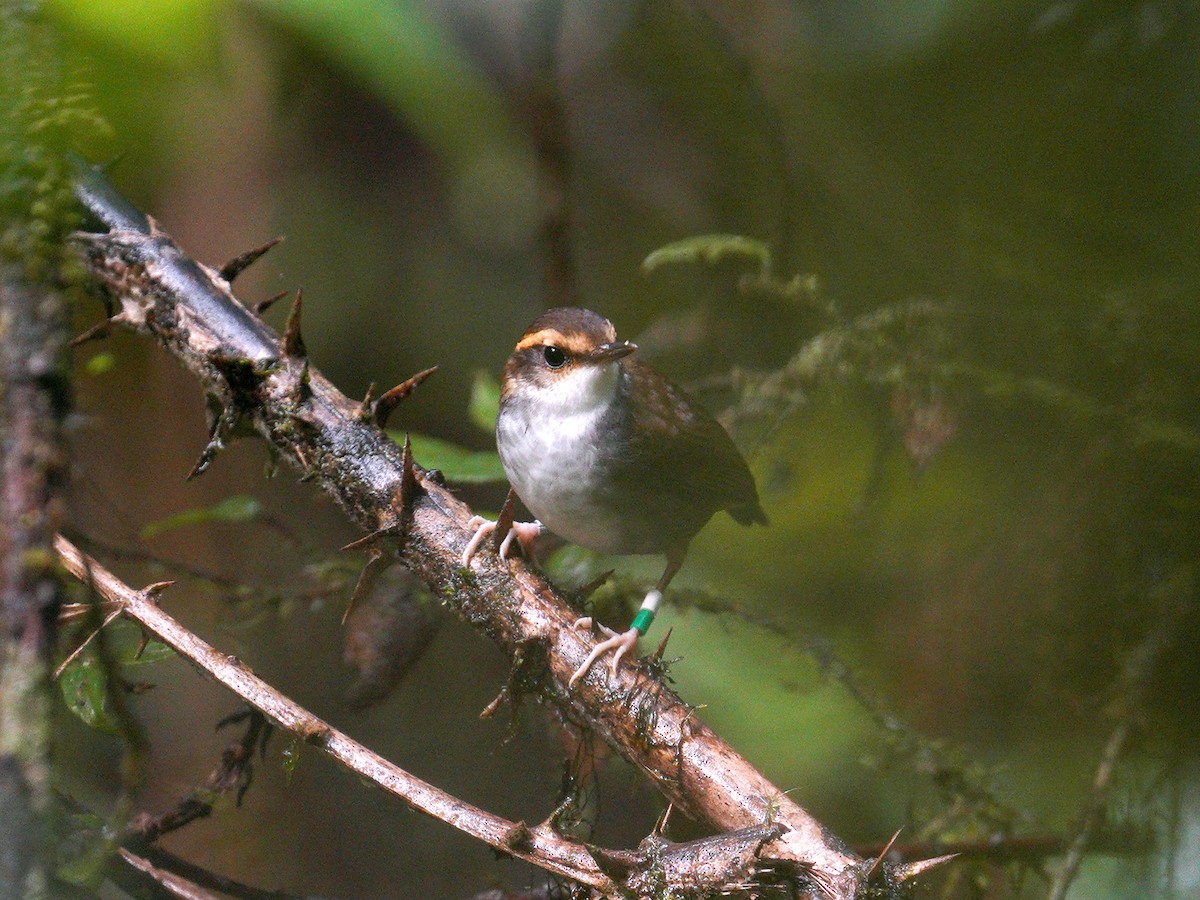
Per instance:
(569,360)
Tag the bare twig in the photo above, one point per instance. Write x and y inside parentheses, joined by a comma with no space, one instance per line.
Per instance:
(539,845)
(74,654)
(174,885)
(213,881)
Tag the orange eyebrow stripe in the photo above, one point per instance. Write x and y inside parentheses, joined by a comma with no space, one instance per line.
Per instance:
(572,343)
(538,338)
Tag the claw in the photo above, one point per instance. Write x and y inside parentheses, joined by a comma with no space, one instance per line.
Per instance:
(621,643)
(525,534)
(507,542)
(483,527)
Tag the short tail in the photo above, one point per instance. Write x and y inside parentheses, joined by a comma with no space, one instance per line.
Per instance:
(749,514)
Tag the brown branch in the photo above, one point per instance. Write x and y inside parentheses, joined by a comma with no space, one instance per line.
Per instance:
(173,885)
(239,363)
(539,845)
(213,881)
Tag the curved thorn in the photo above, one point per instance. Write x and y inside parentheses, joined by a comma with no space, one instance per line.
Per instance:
(95,333)
(382,408)
(263,305)
(292,344)
(502,536)
(408,477)
(913,869)
(151,591)
(216,443)
(882,853)
(366,407)
(240,263)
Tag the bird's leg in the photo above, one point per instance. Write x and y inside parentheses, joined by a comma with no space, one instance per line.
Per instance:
(525,532)
(620,644)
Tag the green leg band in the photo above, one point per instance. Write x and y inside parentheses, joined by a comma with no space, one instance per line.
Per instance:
(643,620)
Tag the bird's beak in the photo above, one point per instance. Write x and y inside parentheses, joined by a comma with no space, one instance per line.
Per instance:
(613,351)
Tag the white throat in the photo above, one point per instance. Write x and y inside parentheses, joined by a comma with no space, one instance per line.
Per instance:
(584,392)
(550,444)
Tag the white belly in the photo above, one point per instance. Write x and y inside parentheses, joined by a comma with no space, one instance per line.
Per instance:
(551,462)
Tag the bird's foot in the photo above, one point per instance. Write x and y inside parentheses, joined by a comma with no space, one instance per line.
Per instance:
(617,644)
(524,532)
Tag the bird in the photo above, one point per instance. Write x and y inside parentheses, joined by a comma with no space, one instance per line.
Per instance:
(608,454)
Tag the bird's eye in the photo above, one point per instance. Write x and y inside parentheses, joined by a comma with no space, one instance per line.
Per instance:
(555,357)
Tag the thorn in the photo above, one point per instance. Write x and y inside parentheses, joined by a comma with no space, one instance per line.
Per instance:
(263,305)
(302,458)
(143,643)
(376,564)
(504,521)
(661,825)
(239,264)
(408,478)
(152,591)
(95,333)
(292,344)
(882,853)
(491,709)
(364,412)
(75,653)
(913,869)
(518,837)
(383,407)
(662,648)
(368,540)
(216,443)
(594,585)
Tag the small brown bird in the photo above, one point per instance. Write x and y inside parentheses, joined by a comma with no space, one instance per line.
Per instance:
(610,455)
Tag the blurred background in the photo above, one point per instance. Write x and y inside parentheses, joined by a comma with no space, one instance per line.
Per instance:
(966,380)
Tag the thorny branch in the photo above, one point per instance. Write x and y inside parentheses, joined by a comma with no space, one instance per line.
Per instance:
(257,381)
(538,845)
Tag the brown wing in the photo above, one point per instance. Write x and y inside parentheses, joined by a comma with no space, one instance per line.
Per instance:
(681,455)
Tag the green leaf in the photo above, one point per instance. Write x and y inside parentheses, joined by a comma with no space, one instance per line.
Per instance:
(124,638)
(100,364)
(484,406)
(153,652)
(709,249)
(239,508)
(84,687)
(455,462)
